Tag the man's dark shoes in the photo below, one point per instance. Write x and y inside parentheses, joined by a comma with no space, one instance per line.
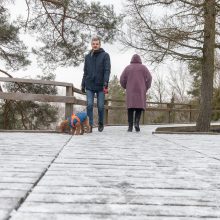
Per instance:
(90,129)
(101,127)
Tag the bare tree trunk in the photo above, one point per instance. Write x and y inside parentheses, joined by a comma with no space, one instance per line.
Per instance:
(205,111)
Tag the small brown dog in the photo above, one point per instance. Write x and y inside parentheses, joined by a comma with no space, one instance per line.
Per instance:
(75,124)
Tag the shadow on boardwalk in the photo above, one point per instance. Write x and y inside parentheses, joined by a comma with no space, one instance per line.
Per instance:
(110,175)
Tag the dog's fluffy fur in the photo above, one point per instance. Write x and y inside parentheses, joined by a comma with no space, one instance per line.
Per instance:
(77,130)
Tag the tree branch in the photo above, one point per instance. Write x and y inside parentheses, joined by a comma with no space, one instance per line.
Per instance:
(58,3)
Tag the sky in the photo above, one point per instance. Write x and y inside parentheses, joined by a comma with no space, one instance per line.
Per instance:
(120,58)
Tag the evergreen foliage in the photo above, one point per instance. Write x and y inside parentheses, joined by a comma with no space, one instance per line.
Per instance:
(65,29)
(195,69)
(12,50)
(116,92)
(28,114)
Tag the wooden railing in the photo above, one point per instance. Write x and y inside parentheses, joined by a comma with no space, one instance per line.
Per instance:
(167,107)
(70,100)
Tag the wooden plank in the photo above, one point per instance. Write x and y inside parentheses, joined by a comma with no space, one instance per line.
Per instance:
(36,97)
(81,102)
(153,109)
(71,186)
(34,81)
(168,103)
(69,106)
(153,103)
(78,91)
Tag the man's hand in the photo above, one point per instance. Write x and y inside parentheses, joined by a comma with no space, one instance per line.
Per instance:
(105,89)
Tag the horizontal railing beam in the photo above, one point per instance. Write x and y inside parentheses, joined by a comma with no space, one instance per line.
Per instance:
(36,97)
(78,91)
(34,81)
(158,109)
(153,103)
(152,109)
(84,103)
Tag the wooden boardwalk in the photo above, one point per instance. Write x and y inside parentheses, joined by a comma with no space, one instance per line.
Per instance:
(113,175)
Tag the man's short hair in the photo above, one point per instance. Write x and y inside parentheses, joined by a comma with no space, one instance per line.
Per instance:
(96,38)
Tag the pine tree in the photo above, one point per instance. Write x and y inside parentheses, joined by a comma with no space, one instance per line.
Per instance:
(13,52)
(116,92)
(65,29)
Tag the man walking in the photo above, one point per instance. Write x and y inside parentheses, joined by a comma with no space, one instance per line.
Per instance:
(95,80)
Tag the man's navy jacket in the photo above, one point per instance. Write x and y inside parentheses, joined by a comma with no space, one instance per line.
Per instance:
(97,69)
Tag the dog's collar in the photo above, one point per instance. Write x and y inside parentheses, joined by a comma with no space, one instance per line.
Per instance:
(71,122)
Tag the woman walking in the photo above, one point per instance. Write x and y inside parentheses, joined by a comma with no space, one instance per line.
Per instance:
(136,79)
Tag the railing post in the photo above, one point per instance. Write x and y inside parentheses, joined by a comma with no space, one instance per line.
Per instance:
(68,106)
(190,113)
(143,118)
(170,106)
(169,112)
(106,111)
(169,116)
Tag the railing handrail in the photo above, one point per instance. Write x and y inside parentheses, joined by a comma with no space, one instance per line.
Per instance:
(34,81)
(154,103)
(37,97)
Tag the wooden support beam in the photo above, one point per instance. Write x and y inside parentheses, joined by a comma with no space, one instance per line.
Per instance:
(34,81)
(69,106)
(36,97)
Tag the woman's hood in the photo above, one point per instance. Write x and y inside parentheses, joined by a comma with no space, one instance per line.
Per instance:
(136,59)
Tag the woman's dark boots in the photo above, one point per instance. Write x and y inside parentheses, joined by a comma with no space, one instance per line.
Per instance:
(130,119)
(137,120)
(130,127)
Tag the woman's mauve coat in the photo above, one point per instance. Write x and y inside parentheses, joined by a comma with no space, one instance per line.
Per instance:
(136,79)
